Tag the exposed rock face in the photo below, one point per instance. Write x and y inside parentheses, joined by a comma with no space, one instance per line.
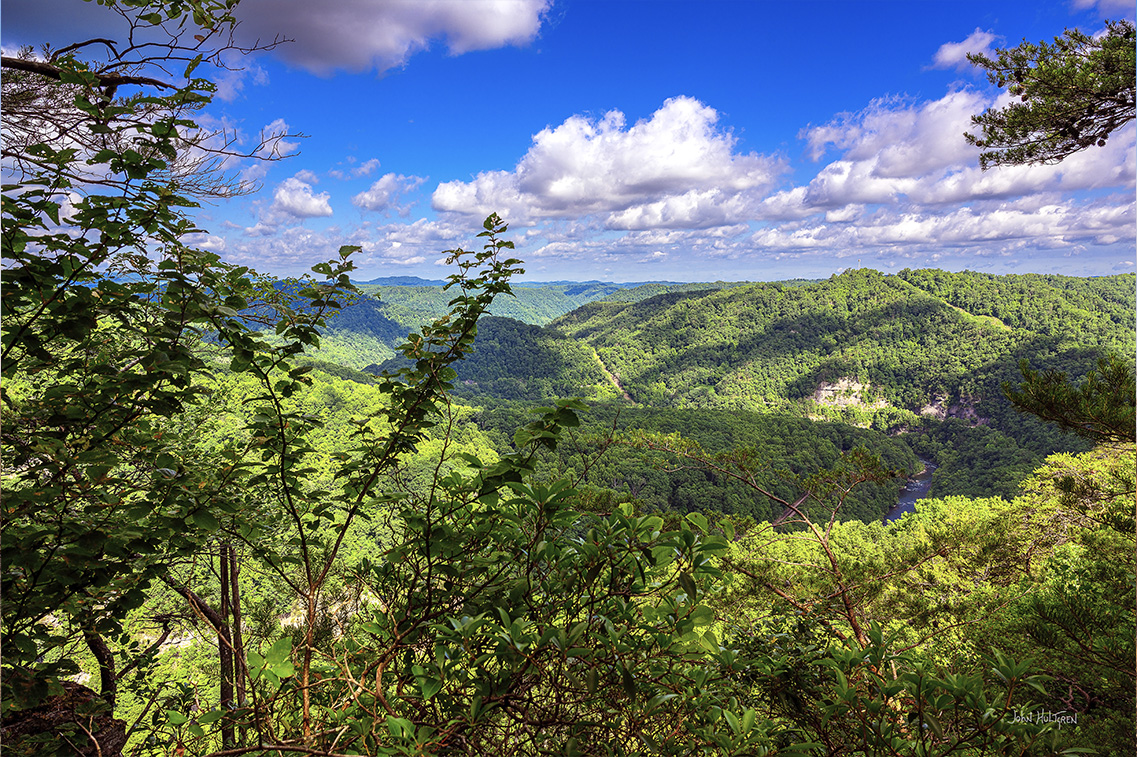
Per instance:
(939,409)
(846,392)
(77,717)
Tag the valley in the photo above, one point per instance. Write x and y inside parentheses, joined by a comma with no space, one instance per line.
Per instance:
(412,504)
(919,356)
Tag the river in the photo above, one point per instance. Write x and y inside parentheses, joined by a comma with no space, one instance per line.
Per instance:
(917,488)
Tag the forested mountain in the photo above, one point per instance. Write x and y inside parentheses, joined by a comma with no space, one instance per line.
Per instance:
(371,326)
(862,346)
(765,346)
(925,351)
(221,539)
(1090,311)
(415,304)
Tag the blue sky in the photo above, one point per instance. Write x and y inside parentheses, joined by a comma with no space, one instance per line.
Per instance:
(644,140)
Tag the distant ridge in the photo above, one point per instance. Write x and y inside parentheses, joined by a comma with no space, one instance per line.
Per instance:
(404,281)
(415,281)
(593,282)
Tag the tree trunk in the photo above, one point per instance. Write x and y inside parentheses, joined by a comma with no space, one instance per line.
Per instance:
(239,669)
(225,648)
(108,681)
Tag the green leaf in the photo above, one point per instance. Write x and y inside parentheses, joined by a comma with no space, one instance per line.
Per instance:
(688,585)
(429,687)
(176,718)
(280,651)
(205,520)
(400,727)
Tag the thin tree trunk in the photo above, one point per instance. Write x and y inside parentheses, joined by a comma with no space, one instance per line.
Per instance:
(108,681)
(239,670)
(225,649)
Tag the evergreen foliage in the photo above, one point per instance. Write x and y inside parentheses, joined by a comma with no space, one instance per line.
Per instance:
(1072,94)
(1101,409)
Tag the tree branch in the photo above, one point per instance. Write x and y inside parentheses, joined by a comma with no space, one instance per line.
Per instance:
(54,72)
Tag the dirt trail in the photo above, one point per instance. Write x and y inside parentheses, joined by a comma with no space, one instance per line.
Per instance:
(611,378)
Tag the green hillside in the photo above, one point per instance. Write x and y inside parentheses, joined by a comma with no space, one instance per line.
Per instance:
(922,352)
(369,330)
(892,352)
(765,346)
(515,361)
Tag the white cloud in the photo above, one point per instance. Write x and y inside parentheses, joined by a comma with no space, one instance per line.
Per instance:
(676,168)
(384,193)
(273,140)
(896,152)
(366,168)
(847,213)
(697,209)
(294,249)
(230,81)
(905,138)
(211,242)
(294,197)
(954,54)
(989,229)
(900,182)
(358,35)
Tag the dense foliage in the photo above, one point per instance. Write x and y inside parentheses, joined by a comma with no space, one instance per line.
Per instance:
(608,453)
(252,549)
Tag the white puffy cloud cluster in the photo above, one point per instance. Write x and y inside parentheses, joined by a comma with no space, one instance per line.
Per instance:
(676,168)
(295,197)
(357,35)
(994,229)
(904,177)
(386,248)
(384,193)
(896,178)
(895,183)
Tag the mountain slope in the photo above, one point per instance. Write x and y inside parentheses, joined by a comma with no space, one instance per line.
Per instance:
(765,346)
(516,361)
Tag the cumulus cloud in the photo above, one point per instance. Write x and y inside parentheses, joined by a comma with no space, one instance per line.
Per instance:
(676,168)
(954,54)
(991,229)
(211,242)
(897,180)
(295,198)
(896,152)
(908,137)
(385,192)
(358,35)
